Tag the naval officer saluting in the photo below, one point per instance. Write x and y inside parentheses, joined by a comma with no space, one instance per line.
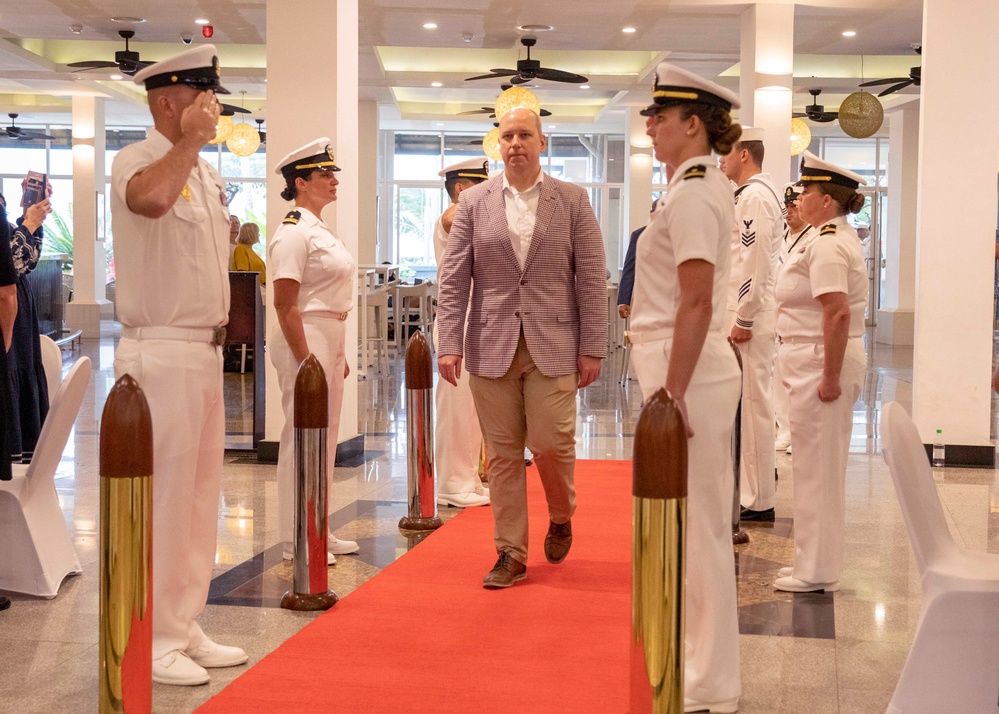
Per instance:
(171,219)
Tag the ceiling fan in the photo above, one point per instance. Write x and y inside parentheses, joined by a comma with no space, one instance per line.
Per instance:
(528,70)
(491,111)
(915,75)
(260,130)
(815,111)
(126,61)
(16,132)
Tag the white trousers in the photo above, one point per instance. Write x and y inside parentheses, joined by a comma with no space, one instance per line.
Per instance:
(457,436)
(325,337)
(757,480)
(711,671)
(820,433)
(781,404)
(182,382)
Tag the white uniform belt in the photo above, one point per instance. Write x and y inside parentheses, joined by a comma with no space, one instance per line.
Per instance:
(799,340)
(636,338)
(209,335)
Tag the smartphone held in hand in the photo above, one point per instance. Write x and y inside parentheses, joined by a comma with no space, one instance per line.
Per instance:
(34,189)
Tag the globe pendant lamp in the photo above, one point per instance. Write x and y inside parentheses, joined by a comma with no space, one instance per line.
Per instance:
(490,145)
(244,141)
(801,136)
(223,130)
(516,98)
(861,115)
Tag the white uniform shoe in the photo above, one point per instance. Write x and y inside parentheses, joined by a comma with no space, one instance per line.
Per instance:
(785,572)
(793,585)
(781,444)
(212,654)
(341,547)
(289,554)
(177,668)
(690,705)
(462,500)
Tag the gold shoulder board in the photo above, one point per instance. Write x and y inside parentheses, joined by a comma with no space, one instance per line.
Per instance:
(827,230)
(292,218)
(697,171)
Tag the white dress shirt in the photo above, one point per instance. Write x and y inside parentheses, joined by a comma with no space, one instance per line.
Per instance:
(521,212)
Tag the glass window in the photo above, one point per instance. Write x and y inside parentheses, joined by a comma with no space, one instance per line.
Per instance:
(252,166)
(417,157)
(248,202)
(417,209)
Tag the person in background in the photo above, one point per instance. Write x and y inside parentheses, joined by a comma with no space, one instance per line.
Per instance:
(233,235)
(313,284)
(457,435)
(28,384)
(245,258)
(821,298)
(679,342)
(8,312)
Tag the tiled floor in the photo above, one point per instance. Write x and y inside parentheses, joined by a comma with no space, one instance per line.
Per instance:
(800,653)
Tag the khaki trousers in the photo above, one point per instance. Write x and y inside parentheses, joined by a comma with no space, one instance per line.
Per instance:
(524,407)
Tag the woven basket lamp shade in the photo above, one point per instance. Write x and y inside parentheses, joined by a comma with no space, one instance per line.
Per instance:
(801,136)
(515,98)
(223,130)
(490,145)
(861,115)
(244,140)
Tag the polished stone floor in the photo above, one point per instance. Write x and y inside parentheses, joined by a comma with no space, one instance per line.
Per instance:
(814,653)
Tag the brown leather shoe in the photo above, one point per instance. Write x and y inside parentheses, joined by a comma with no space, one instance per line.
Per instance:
(505,573)
(558,541)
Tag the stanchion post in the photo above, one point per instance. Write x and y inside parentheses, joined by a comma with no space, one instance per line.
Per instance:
(126,551)
(310,585)
(739,535)
(659,490)
(422,515)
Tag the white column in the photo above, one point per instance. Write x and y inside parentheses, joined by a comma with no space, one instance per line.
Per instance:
(952,356)
(367,236)
(639,178)
(767,64)
(898,245)
(304,105)
(89,261)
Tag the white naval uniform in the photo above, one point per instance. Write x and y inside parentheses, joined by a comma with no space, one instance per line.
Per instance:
(307,252)
(830,262)
(173,273)
(457,434)
(694,221)
(791,241)
(755,247)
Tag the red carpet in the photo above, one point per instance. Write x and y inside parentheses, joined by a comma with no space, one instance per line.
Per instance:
(425,636)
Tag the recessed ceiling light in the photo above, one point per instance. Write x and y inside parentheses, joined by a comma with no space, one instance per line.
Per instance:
(116,76)
(128,20)
(202,21)
(535,28)
(849,33)
(584,86)
(429,25)
(552,126)
(628,30)
(440,123)
(436,84)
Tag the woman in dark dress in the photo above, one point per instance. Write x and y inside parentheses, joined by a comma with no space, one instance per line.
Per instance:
(28,385)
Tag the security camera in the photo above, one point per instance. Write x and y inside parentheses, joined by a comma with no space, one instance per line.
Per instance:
(186,37)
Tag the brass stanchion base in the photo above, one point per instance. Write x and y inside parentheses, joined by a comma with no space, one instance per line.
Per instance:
(408,523)
(309,602)
(739,537)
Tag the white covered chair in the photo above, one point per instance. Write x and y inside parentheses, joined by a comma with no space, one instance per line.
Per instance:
(953,665)
(51,363)
(37,552)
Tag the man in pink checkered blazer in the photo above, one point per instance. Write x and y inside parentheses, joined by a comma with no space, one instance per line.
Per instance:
(529,250)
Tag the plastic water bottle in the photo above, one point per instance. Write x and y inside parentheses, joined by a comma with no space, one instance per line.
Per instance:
(939,450)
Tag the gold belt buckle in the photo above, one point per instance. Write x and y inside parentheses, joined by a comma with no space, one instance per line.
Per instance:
(627,339)
(218,336)
(342,317)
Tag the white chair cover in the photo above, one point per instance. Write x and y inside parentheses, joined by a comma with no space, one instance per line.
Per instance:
(37,551)
(953,665)
(51,363)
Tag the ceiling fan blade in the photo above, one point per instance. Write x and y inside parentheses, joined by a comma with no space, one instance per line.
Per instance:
(522,79)
(825,117)
(496,74)
(545,113)
(558,75)
(799,115)
(32,135)
(484,110)
(92,64)
(900,85)
(876,82)
(130,67)
(230,109)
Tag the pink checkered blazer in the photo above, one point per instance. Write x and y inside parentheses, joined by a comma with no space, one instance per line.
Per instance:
(560,297)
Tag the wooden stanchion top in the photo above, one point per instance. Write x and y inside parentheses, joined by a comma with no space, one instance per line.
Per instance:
(660,458)
(419,368)
(311,396)
(126,432)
